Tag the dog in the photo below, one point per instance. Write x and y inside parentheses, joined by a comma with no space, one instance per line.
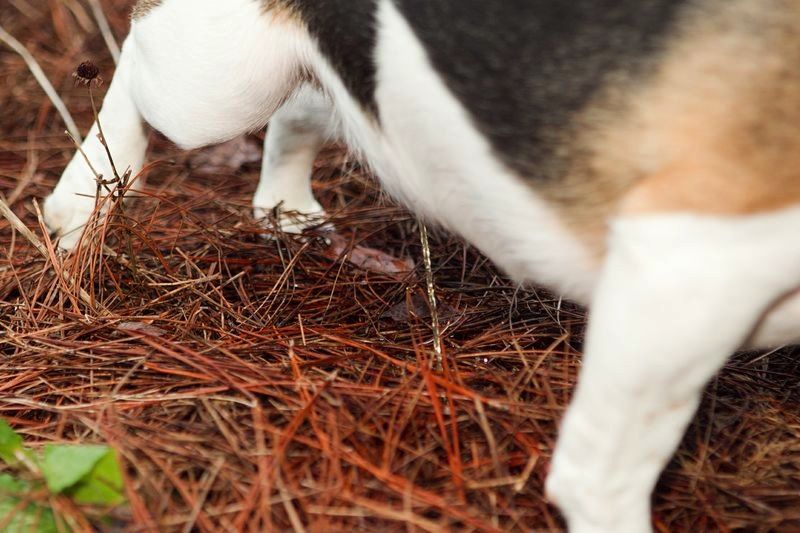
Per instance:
(641,157)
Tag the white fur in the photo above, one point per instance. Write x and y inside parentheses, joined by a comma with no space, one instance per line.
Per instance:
(674,297)
(183,71)
(780,326)
(296,133)
(206,71)
(447,171)
(73,200)
(428,154)
(678,294)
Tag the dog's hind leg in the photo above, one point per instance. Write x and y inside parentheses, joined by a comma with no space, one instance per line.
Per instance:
(295,135)
(678,294)
(780,326)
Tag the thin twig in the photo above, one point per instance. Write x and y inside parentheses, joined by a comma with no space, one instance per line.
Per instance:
(120,184)
(41,77)
(426,257)
(98,177)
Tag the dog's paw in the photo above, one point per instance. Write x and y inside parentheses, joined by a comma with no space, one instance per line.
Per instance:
(292,219)
(66,214)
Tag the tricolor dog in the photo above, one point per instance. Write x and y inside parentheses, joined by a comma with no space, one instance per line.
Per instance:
(639,156)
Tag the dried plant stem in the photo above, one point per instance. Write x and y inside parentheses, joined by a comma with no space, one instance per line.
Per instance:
(77,144)
(41,77)
(105,29)
(103,140)
(426,257)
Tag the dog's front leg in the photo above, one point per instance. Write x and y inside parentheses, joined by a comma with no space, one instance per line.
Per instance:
(69,207)
(678,295)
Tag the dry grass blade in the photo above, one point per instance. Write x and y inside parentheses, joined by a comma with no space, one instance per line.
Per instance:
(431,289)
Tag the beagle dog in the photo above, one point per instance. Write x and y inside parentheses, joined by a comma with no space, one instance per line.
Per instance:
(641,157)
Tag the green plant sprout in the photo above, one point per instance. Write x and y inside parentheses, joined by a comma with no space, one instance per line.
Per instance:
(86,474)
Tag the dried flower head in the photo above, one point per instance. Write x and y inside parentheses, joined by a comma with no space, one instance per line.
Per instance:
(86,73)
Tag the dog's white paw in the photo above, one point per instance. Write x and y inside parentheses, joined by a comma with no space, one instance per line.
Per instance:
(603,510)
(66,213)
(292,219)
(72,202)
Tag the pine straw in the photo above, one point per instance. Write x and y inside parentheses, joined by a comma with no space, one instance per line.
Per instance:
(272,383)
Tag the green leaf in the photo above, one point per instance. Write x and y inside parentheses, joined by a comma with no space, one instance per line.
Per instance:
(103,485)
(11,486)
(63,466)
(10,442)
(33,518)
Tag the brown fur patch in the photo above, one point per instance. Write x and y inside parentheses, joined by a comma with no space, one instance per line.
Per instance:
(143,7)
(281,9)
(713,128)
(734,144)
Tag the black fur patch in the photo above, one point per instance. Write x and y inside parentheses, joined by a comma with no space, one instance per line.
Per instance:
(524,68)
(346,33)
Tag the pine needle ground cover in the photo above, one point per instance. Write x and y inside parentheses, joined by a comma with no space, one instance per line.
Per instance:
(251,380)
